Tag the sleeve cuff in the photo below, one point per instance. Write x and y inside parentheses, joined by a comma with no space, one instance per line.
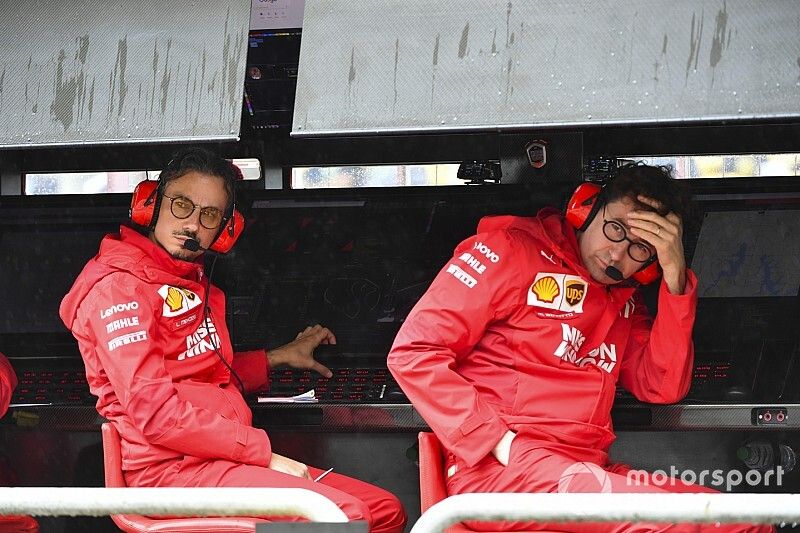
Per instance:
(474,443)
(253,369)
(253,446)
(689,291)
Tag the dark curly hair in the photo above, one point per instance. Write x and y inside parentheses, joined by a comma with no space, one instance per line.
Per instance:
(202,161)
(633,179)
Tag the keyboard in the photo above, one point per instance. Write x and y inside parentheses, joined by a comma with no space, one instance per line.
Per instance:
(710,380)
(347,385)
(52,387)
(709,373)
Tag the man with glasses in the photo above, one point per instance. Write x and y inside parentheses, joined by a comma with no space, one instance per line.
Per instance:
(151,329)
(514,353)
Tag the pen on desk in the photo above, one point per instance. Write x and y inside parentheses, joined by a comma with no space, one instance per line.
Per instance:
(325,473)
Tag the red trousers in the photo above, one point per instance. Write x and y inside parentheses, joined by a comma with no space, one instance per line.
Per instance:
(9,478)
(535,466)
(18,524)
(359,500)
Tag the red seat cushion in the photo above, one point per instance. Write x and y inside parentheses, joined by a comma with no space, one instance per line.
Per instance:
(432,485)
(112,460)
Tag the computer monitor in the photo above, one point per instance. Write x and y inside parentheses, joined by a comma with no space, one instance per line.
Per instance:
(43,247)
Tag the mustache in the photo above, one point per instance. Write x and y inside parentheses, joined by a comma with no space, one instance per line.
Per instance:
(190,234)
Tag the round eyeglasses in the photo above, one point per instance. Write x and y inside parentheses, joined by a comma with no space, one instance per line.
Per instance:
(615,232)
(210,217)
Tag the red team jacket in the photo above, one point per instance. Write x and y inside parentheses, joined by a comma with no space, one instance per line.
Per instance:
(150,359)
(8,477)
(515,334)
(8,382)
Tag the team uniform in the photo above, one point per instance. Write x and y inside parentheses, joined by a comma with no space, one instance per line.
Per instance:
(514,334)
(155,366)
(8,382)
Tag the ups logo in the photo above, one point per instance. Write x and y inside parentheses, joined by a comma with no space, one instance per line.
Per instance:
(575,291)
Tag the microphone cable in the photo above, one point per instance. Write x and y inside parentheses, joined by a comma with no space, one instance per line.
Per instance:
(206,317)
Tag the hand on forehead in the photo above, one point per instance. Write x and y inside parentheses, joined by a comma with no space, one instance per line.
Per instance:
(652,202)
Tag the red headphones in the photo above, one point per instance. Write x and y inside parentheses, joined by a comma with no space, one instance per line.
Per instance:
(146,202)
(581,210)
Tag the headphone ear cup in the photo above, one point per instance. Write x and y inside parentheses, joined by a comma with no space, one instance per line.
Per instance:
(229,234)
(648,274)
(143,203)
(583,205)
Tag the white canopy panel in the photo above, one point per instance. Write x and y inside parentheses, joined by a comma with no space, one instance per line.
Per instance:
(419,65)
(110,71)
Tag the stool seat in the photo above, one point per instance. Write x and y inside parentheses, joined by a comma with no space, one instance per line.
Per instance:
(432,483)
(112,461)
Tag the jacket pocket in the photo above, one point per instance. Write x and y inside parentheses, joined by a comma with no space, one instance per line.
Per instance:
(562,392)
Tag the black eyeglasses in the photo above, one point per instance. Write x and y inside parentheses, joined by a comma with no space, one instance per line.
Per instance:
(210,217)
(615,232)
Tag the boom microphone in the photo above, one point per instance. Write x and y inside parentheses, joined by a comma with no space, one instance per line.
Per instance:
(611,272)
(193,245)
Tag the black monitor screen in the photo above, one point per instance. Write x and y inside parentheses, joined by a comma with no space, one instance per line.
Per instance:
(748,253)
(38,268)
(746,342)
(357,267)
(44,245)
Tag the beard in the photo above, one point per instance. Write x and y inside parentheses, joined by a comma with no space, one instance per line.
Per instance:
(178,252)
(183,254)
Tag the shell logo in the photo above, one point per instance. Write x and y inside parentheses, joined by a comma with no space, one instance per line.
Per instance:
(178,301)
(174,299)
(546,289)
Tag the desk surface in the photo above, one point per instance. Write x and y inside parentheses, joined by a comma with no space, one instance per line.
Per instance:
(626,415)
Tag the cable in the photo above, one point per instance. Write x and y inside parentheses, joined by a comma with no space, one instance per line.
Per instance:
(206,317)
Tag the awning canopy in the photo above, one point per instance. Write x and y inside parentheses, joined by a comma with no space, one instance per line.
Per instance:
(117,71)
(372,66)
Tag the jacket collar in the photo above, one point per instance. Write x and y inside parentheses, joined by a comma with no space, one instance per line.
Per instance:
(137,254)
(551,228)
